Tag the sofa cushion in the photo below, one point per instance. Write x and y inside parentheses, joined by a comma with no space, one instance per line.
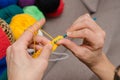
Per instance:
(92,5)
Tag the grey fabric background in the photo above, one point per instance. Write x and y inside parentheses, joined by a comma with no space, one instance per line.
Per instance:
(91,5)
(108,17)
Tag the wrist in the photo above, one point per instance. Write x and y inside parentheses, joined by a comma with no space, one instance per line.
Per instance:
(104,69)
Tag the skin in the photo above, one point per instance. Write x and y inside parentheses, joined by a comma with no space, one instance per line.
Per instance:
(21,66)
(90,52)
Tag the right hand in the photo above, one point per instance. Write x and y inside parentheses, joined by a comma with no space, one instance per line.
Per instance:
(90,52)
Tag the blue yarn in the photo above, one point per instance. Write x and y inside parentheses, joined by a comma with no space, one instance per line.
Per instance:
(3,65)
(10,11)
(5,3)
(94,18)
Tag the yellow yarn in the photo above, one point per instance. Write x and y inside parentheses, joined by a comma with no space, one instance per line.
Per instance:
(20,23)
(53,42)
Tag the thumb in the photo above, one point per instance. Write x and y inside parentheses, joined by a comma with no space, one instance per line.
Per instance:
(46,51)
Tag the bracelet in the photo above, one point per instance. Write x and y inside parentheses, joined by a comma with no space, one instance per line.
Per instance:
(117,76)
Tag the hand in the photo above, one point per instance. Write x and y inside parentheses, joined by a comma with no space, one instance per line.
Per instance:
(90,52)
(93,37)
(21,66)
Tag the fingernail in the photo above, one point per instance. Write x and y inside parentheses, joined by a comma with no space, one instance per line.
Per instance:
(69,33)
(87,14)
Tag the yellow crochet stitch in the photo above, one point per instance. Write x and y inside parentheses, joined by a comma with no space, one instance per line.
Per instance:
(53,43)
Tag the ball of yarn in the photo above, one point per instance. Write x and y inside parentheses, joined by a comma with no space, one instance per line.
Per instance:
(10,11)
(40,33)
(24,3)
(47,6)
(4,43)
(20,23)
(33,11)
(5,3)
(3,65)
(6,28)
(58,12)
(4,76)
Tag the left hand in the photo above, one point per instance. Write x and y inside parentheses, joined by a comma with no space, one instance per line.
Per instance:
(21,66)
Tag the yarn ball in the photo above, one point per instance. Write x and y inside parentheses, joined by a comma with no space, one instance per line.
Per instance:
(3,65)
(4,76)
(47,6)
(10,11)
(20,23)
(4,43)
(5,3)
(58,12)
(6,28)
(34,11)
(24,3)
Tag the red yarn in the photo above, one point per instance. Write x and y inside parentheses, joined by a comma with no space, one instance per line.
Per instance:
(58,12)
(4,43)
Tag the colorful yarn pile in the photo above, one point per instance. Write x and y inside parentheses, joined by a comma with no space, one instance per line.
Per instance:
(24,3)
(4,43)
(3,65)
(4,75)
(47,6)
(7,30)
(5,3)
(10,11)
(58,11)
(51,8)
(34,12)
(5,38)
(20,23)
(21,14)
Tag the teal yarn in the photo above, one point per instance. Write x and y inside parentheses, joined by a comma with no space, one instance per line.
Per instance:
(4,75)
(5,3)
(10,11)
(34,12)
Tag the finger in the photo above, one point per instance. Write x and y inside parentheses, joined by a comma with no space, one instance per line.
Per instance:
(69,44)
(8,53)
(81,18)
(77,50)
(84,22)
(77,23)
(84,33)
(27,35)
(46,51)
(42,40)
(94,40)
(37,47)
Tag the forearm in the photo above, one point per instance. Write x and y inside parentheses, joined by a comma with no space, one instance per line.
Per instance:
(104,69)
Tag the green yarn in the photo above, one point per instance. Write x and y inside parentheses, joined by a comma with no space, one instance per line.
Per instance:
(34,11)
(10,11)
(4,75)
